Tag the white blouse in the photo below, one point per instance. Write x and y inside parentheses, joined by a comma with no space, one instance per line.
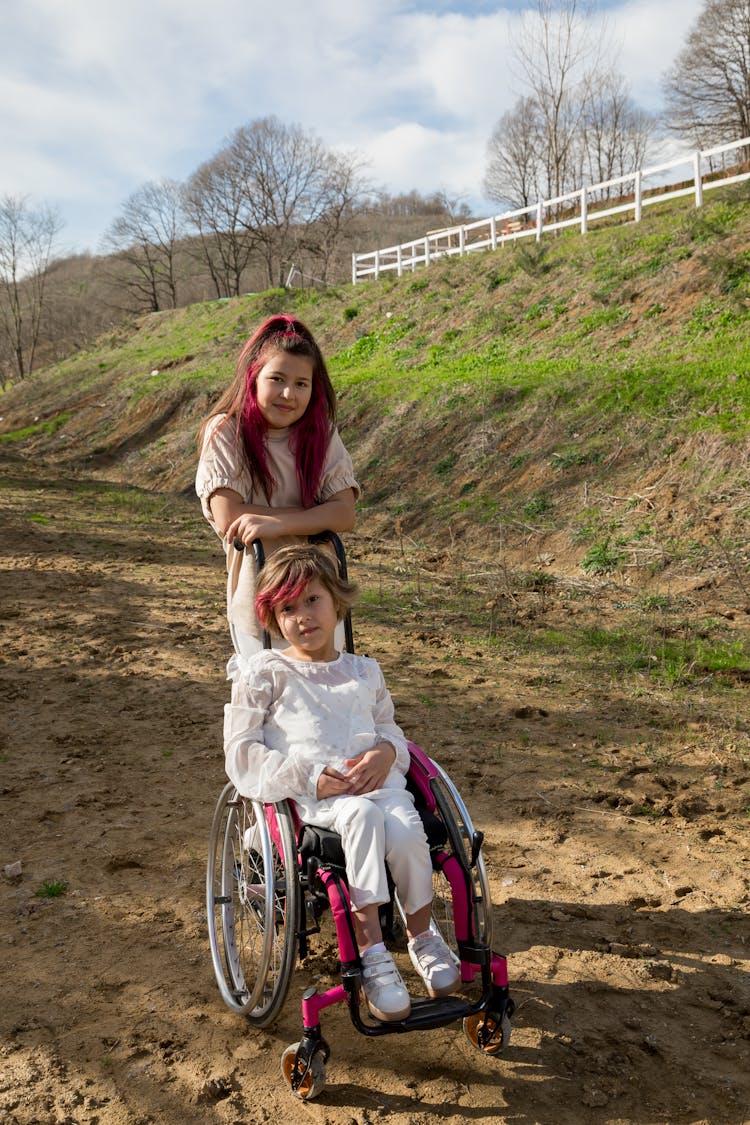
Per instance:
(289,719)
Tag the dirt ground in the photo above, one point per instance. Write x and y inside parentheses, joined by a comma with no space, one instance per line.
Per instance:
(616,816)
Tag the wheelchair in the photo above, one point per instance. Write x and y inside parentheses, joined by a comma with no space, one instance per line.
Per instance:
(270,879)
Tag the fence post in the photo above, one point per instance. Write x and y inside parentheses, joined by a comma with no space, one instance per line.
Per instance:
(539,221)
(461,241)
(638,196)
(427,251)
(354,269)
(698,180)
(399,263)
(377,264)
(493,232)
(584,212)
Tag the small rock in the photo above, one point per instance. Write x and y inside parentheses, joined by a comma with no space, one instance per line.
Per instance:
(594,1098)
(660,970)
(13,870)
(214,1090)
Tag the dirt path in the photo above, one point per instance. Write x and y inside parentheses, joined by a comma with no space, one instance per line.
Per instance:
(617,842)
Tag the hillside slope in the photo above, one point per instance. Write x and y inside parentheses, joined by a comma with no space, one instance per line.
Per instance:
(579,404)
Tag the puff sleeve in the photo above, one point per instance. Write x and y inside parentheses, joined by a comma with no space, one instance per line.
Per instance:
(338,471)
(259,772)
(220,465)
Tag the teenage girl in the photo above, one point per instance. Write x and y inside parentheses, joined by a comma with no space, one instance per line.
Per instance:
(272,465)
(315,725)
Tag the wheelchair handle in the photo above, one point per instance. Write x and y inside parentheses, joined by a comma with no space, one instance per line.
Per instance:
(260,554)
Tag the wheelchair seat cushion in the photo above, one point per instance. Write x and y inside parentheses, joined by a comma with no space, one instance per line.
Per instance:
(325,846)
(321,844)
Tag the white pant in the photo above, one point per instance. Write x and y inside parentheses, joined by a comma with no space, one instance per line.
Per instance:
(377,829)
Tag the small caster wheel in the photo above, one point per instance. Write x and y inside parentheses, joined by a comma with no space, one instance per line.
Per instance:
(312,1082)
(486,1033)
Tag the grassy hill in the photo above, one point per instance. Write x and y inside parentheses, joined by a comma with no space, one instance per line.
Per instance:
(552,555)
(578,407)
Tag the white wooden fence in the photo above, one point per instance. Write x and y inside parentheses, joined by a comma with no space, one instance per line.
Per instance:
(630,193)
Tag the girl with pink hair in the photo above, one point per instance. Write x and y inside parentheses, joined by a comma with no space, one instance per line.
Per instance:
(272,465)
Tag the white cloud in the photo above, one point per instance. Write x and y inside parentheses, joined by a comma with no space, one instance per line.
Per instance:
(98,96)
(462,64)
(408,156)
(651,35)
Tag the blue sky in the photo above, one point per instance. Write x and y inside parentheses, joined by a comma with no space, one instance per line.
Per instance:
(100,96)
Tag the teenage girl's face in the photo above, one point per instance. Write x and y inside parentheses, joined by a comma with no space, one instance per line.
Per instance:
(308,622)
(283,388)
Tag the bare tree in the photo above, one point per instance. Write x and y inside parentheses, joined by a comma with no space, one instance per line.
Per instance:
(285,183)
(616,132)
(144,240)
(707,90)
(272,195)
(560,60)
(455,207)
(576,121)
(27,236)
(516,173)
(215,201)
(343,187)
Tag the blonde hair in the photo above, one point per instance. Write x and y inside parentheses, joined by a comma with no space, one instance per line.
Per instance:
(288,571)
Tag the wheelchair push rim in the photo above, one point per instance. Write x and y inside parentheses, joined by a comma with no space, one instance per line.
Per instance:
(252,901)
(458,822)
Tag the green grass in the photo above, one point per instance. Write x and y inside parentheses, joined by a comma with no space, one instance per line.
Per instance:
(539,505)
(48,426)
(603,557)
(52,888)
(561,354)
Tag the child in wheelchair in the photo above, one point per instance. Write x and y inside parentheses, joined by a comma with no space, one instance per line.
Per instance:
(317,726)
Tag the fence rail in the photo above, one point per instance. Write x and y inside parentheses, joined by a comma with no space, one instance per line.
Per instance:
(619,196)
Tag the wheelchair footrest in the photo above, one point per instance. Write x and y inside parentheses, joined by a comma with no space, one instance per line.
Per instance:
(424,1015)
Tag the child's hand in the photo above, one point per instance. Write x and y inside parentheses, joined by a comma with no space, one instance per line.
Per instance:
(331,783)
(369,770)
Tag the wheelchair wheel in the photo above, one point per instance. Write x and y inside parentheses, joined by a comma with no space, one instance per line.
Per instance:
(253,905)
(486,1033)
(313,1080)
(460,830)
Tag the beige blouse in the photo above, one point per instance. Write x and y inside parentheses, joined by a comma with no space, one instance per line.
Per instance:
(223,465)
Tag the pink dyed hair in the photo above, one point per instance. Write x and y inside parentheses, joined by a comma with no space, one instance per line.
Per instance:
(286,574)
(310,436)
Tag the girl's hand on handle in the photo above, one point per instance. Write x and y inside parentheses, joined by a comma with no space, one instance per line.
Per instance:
(370,770)
(249,526)
(331,783)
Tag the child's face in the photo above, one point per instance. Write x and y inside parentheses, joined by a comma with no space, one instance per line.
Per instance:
(283,388)
(308,623)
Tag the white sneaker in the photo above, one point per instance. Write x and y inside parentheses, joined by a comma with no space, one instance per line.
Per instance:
(384,989)
(435,963)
